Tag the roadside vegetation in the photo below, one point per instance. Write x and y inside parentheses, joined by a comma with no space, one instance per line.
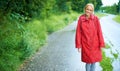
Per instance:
(100,14)
(106,62)
(117,19)
(21,41)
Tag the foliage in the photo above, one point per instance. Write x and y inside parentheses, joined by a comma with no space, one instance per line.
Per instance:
(43,9)
(9,54)
(98,5)
(17,43)
(100,14)
(106,63)
(115,55)
(110,9)
(107,46)
(57,22)
(77,5)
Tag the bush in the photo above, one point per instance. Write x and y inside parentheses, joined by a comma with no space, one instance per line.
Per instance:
(10,36)
(33,37)
(17,43)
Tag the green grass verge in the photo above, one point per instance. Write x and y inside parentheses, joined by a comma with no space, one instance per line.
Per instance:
(100,14)
(106,62)
(117,19)
(57,22)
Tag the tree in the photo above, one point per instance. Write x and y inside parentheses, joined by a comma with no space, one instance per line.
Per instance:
(98,5)
(78,5)
(63,5)
(119,6)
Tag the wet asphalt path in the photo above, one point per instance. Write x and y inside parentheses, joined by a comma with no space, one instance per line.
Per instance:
(59,54)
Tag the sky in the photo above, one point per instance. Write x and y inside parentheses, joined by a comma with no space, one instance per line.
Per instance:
(109,2)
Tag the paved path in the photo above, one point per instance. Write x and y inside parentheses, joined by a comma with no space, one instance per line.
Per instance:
(59,54)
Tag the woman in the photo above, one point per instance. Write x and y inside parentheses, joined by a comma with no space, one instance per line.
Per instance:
(89,38)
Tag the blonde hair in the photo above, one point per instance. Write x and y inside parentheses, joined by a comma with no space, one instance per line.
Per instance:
(89,4)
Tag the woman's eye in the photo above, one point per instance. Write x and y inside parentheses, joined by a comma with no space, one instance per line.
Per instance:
(89,9)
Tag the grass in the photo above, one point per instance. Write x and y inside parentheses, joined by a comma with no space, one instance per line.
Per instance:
(117,19)
(57,22)
(100,14)
(106,63)
(115,55)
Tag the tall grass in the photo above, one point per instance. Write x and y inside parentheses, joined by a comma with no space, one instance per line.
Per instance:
(9,41)
(55,23)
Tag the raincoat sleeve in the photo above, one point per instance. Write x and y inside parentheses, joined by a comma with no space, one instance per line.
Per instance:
(78,35)
(100,35)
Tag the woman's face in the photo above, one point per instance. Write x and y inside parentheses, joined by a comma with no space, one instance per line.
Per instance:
(88,10)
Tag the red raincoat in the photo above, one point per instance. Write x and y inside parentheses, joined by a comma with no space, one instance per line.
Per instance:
(89,37)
